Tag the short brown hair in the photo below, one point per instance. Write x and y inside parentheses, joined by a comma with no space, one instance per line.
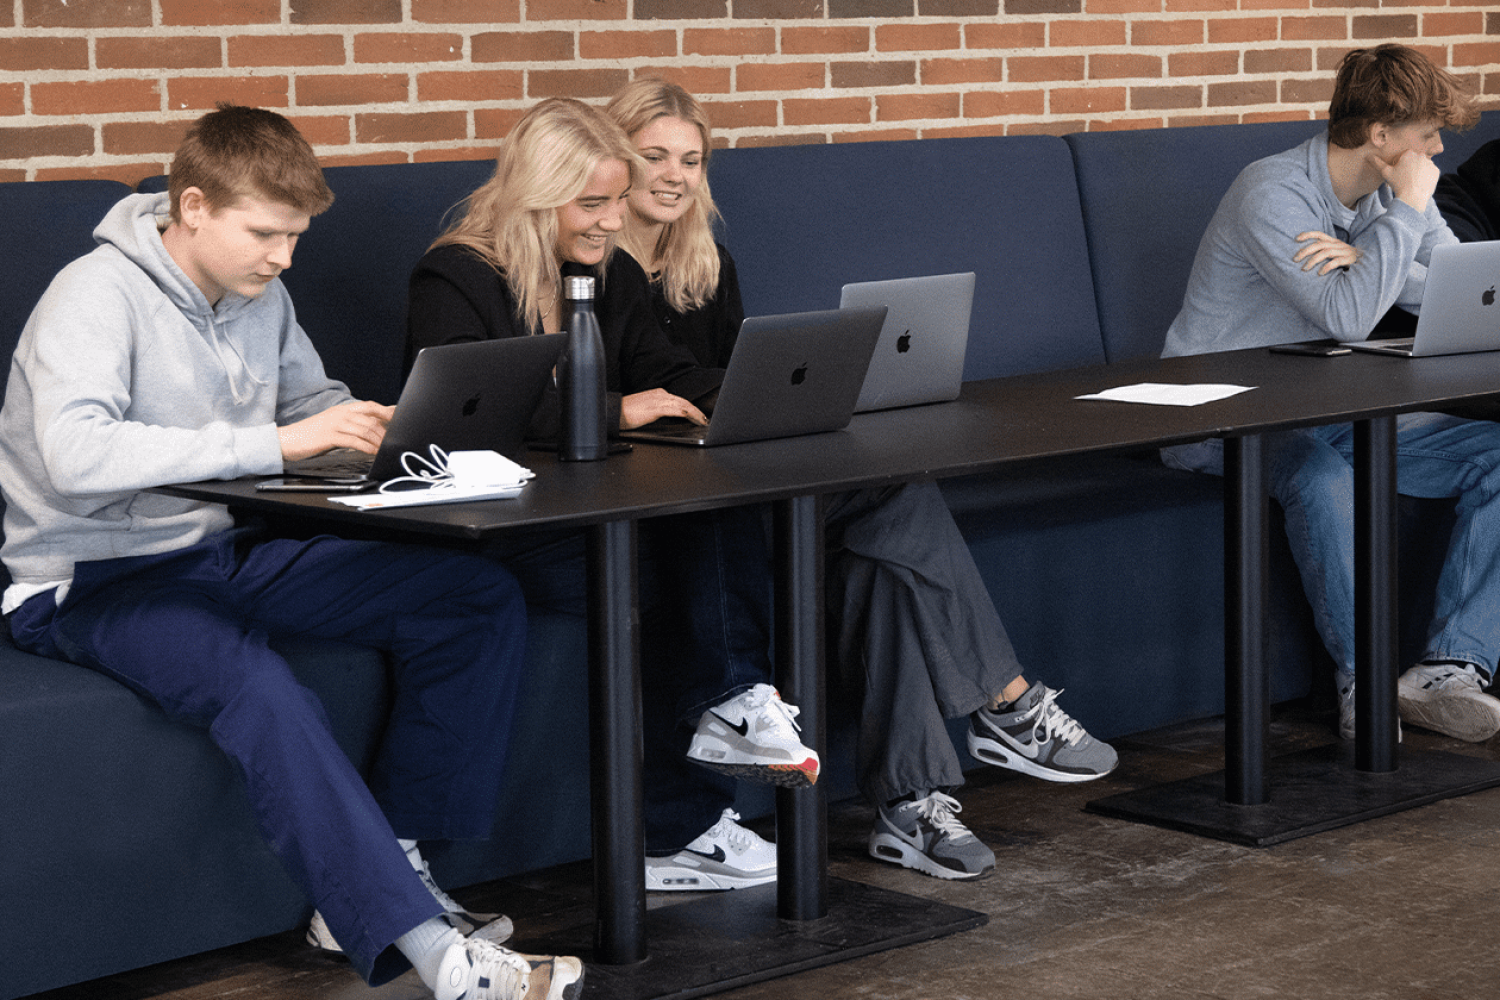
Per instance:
(1393,85)
(236,151)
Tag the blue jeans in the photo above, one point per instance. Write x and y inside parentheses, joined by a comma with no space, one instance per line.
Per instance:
(189,631)
(1311,475)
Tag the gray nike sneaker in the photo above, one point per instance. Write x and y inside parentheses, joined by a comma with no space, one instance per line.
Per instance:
(925,834)
(1037,738)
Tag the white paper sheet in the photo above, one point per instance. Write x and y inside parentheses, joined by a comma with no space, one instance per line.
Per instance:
(1168,394)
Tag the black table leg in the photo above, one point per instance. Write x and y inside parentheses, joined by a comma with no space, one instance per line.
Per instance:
(1375,610)
(1247,682)
(710,942)
(1262,801)
(801,814)
(615,721)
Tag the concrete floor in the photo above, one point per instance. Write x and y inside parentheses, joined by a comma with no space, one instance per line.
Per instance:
(1082,906)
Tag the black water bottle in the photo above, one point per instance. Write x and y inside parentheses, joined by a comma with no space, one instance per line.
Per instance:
(580,377)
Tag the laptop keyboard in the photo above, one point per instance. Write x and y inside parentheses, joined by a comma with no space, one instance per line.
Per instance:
(677,427)
(340,463)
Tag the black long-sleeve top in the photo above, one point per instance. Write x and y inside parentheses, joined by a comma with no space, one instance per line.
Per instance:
(709,331)
(456,297)
(1470,198)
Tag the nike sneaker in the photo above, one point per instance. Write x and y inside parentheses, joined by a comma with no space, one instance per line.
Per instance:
(926,835)
(754,735)
(1036,737)
(727,856)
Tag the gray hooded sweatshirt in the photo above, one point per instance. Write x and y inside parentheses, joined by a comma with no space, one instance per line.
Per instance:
(126,378)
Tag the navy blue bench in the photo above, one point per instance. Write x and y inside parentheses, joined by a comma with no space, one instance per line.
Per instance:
(1108,571)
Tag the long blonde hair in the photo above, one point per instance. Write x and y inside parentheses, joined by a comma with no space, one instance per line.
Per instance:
(685,250)
(545,162)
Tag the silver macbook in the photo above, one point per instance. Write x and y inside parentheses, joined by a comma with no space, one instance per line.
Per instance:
(794,374)
(920,356)
(460,397)
(1460,312)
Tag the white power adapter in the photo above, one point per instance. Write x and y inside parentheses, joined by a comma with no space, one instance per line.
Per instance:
(484,468)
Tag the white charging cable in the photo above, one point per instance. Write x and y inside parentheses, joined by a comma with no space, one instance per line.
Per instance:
(459,470)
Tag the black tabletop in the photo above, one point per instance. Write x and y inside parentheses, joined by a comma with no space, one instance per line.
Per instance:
(994,423)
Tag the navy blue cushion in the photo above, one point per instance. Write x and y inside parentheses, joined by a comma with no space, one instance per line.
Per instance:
(1459,146)
(1147,198)
(802,221)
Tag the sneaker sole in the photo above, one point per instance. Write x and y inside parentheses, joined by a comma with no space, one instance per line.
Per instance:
(992,751)
(801,775)
(888,848)
(676,879)
(1473,720)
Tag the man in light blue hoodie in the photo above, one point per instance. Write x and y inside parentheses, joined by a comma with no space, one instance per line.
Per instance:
(1319,242)
(171,353)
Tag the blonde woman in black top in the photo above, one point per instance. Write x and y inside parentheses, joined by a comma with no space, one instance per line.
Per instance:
(917,633)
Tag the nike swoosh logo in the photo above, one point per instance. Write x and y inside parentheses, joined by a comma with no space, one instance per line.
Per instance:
(717,855)
(742,728)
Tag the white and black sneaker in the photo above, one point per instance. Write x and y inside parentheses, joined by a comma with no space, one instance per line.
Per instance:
(1036,737)
(492,927)
(1448,698)
(924,834)
(727,856)
(753,735)
(480,970)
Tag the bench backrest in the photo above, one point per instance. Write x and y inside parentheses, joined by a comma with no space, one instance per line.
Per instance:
(1147,198)
(802,221)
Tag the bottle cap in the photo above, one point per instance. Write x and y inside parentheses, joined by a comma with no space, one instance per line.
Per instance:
(578,288)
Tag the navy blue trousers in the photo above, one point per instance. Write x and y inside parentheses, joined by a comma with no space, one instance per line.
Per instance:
(189,630)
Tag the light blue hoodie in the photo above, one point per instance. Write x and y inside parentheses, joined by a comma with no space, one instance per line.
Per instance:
(126,378)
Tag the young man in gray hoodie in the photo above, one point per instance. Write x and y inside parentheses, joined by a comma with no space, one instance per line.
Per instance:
(1319,242)
(171,353)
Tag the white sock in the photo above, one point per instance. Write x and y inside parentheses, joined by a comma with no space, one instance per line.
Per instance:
(425,945)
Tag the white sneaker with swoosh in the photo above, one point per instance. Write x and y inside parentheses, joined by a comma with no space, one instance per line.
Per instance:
(727,856)
(754,735)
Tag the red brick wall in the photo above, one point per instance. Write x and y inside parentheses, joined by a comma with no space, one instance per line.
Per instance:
(105,87)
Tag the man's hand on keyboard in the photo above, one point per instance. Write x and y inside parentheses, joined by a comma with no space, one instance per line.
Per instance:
(359,425)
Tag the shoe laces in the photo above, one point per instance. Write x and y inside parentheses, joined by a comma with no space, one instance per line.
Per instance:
(446,901)
(767,700)
(1053,721)
(509,974)
(941,811)
(731,833)
(1441,677)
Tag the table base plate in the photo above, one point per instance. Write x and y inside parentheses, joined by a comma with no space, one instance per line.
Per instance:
(1310,791)
(721,941)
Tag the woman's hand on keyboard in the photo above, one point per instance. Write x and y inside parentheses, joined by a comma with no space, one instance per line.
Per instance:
(640,408)
(359,425)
